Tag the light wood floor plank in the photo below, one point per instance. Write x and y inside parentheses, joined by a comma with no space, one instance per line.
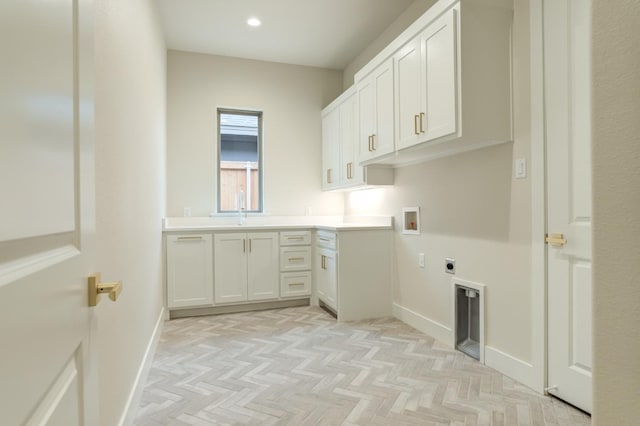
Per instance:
(298,366)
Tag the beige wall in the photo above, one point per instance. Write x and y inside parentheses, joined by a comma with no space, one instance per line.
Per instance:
(130,190)
(291,98)
(472,209)
(616,212)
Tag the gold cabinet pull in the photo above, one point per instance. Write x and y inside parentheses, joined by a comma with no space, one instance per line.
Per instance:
(295,238)
(244,245)
(349,171)
(373,142)
(421,124)
(194,238)
(329,176)
(292,284)
(556,240)
(370,149)
(296,259)
(96,288)
(249,245)
(415,124)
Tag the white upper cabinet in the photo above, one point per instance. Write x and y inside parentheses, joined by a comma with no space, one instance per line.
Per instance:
(351,172)
(375,112)
(451,83)
(331,149)
(426,84)
(340,152)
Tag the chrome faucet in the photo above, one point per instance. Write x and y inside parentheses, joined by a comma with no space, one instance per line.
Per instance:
(242,212)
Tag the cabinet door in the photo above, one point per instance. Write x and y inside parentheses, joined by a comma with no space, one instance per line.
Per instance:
(230,267)
(331,149)
(439,78)
(375,113)
(408,94)
(326,277)
(352,173)
(383,141)
(189,271)
(366,116)
(263,266)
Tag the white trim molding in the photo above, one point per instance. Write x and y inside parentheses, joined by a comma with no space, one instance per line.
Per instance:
(420,322)
(133,402)
(510,366)
(538,202)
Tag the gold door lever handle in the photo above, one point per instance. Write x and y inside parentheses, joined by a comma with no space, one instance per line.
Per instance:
(556,240)
(96,288)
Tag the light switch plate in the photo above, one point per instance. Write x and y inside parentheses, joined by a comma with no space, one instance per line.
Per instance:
(521,168)
(421,260)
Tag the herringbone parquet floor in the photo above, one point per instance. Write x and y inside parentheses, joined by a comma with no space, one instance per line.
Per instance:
(298,366)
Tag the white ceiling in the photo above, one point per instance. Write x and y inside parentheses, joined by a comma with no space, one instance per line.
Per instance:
(320,33)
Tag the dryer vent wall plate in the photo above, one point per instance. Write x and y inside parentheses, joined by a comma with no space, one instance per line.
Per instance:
(450,266)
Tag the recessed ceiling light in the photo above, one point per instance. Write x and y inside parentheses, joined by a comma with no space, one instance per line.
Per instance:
(254,22)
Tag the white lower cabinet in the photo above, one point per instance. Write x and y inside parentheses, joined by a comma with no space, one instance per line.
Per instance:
(353,272)
(326,277)
(246,267)
(295,264)
(295,284)
(189,271)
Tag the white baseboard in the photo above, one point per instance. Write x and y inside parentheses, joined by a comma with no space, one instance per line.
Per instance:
(131,408)
(422,323)
(510,366)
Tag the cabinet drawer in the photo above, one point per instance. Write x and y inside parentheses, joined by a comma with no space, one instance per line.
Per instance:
(326,239)
(295,258)
(295,238)
(294,284)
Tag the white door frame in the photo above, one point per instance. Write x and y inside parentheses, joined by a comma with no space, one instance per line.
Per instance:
(538,201)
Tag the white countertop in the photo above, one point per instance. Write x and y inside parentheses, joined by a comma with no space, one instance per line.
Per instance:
(257,223)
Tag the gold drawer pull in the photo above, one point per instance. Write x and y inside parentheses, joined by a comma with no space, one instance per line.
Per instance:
(194,238)
(295,238)
(296,259)
(292,284)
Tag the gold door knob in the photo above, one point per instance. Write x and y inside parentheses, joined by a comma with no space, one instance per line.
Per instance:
(96,288)
(556,240)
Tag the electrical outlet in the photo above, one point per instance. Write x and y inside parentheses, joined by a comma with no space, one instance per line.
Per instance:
(186,212)
(421,260)
(450,265)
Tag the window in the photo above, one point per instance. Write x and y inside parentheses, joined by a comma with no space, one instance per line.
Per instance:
(239,161)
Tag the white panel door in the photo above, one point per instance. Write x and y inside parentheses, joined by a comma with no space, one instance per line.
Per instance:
(568,140)
(230,267)
(438,113)
(47,220)
(263,266)
(189,270)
